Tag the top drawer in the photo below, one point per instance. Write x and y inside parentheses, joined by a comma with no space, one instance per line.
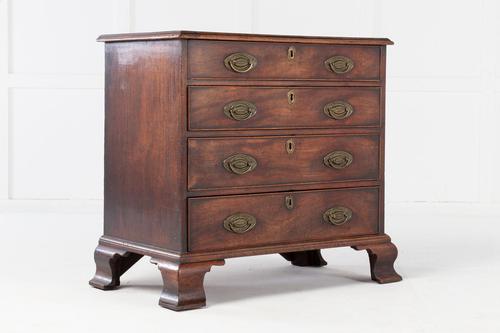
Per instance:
(253,60)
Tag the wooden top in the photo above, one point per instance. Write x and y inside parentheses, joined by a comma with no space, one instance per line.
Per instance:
(164,35)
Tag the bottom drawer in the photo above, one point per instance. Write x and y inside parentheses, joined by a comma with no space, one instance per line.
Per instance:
(242,221)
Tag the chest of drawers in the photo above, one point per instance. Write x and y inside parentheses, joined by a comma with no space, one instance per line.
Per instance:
(227,145)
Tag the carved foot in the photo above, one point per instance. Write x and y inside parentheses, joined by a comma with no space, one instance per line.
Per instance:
(111,263)
(310,258)
(183,283)
(382,257)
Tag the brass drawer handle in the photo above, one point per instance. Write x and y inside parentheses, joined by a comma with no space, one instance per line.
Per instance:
(339,64)
(240,110)
(240,62)
(338,159)
(337,215)
(240,164)
(338,110)
(240,223)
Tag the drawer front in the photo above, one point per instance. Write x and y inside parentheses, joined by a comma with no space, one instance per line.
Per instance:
(244,162)
(243,221)
(226,108)
(251,60)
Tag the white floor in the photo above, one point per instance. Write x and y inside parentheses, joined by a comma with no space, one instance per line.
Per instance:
(450,265)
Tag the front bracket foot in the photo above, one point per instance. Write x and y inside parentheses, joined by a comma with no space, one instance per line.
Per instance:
(382,257)
(183,283)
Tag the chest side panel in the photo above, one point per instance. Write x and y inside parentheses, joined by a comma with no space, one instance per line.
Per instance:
(144,151)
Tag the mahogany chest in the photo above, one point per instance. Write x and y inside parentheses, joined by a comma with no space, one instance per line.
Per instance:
(225,145)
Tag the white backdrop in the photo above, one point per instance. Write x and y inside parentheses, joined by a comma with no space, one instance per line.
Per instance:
(443,95)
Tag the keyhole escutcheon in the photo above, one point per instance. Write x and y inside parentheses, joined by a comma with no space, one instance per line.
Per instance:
(289,202)
(291,53)
(290,146)
(291,97)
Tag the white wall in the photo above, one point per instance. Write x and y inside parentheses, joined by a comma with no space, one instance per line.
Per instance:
(442,102)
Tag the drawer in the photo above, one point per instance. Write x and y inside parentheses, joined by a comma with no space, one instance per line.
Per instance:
(226,108)
(216,163)
(251,60)
(220,223)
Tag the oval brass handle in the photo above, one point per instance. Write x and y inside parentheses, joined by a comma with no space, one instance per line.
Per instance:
(240,223)
(240,110)
(240,164)
(338,159)
(337,215)
(240,62)
(338,110)
(339,64)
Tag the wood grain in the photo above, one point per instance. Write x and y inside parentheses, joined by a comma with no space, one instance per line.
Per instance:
(276,165)
(206,105)
(204,35)
(275,223)
(206,60)
(145,157)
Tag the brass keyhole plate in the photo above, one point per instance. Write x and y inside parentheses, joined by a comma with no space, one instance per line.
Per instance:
(291,97)
(290,146)
(289,202)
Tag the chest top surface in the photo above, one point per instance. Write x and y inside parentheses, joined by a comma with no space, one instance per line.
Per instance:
(203,35)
